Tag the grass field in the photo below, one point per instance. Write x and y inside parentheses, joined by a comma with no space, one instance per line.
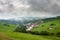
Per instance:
(6,32)
(24,36)
(7,27)
(46,26)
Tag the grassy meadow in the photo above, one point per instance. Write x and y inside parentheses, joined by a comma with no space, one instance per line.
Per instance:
(46,26)
(7,32)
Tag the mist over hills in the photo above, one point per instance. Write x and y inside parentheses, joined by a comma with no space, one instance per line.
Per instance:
(21,20)
(24,20)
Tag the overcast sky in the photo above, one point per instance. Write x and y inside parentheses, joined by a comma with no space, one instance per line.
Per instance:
(29,8)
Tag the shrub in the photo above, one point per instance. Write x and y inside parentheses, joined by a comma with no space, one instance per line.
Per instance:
(52,25)
(42,25)
(20,29)
(40,33)
(51,33)
(34,32)
(58,34)
(6,25)
(44,33)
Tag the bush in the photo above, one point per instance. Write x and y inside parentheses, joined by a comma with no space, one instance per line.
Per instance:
(20,29)
(51,33)
(6,25)
(34,32)
(42,25)
(39,33)
(58,34)
(44,33)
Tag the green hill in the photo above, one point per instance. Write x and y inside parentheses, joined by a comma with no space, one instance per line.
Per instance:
(24,36)
(7,32)
(52,26)
(7,27)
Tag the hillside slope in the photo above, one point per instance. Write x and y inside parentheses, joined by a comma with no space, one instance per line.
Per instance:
(24,36)
(51,26)
(7,33)
(7,27)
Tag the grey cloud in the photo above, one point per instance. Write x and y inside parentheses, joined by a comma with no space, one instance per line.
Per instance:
(6,6)
(50,6)
(27,8)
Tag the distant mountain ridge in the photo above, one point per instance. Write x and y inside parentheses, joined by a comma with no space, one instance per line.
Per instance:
(21,20)
(27,20)
(52,18)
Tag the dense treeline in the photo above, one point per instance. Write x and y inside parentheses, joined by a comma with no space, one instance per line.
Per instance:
(50,19)
(46,33)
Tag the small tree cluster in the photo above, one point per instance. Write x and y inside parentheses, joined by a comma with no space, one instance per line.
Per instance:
(6,25)
(20,29)
(58,34)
